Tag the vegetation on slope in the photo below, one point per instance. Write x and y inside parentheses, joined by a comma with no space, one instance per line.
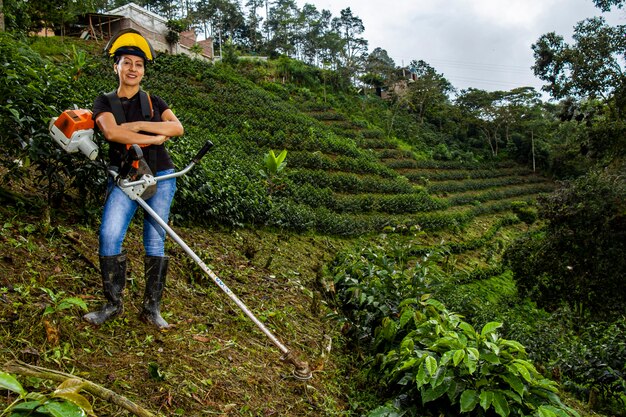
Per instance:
(357,167)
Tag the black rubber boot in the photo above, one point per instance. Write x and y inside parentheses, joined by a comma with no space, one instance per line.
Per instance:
(156,272)
(113,269)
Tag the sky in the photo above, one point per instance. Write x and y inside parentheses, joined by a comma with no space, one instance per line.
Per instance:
(484,44)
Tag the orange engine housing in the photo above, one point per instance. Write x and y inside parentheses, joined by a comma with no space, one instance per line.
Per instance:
(71,121)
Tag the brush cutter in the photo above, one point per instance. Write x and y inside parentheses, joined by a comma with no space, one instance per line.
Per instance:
(67,137)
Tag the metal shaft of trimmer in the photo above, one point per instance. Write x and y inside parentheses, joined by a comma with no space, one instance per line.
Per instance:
(213,276)
(134,189)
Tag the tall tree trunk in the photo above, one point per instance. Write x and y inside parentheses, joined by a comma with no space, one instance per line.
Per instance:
(532,147)
(492,143)
(1,16)
(495,139)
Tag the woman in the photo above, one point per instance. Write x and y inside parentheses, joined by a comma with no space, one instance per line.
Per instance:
(130,52)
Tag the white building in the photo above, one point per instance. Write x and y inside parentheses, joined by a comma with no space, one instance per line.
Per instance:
(152,26)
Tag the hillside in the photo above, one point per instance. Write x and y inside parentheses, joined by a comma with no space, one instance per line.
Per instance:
(346,184)
(214,360)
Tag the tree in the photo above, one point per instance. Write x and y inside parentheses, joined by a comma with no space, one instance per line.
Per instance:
(1,17)
(578,257)
(496,114)
(283,23)
(428,91)
(49,13)
(16,16)
(314,24)
(329,42)
(528,127)
(174,28)
(220,19)
(482,109)
(605,5)
(253,23)
(165,8)
(379,69)
(516,107)
(354,48)
(589,68)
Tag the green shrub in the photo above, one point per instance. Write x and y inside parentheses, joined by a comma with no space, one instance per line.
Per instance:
(226,188)
(578,258)
(525,212)
(65,401)
(427,358)
(481,184)
(432,354)
(593,366)
(34,90)
(349,183)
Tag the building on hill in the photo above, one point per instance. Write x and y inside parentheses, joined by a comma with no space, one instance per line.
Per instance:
(152,26)
(403,77)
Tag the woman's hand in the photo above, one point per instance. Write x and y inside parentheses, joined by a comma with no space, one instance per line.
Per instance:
(160,139)
(139,127)
(169,126)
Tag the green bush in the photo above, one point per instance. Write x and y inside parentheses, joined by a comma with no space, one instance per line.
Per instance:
(34,90)
(222,190)
(593,366)
(432,354)
(427,359)
(481,184)
(65,401)
(578,258)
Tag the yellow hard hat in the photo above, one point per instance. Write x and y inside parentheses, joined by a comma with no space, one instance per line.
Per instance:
(130,42)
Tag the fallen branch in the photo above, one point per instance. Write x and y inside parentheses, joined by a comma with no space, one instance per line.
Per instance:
(21,368)
(75,241)
(12,197)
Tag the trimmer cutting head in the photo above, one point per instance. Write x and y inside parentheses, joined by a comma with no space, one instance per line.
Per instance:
(302,370)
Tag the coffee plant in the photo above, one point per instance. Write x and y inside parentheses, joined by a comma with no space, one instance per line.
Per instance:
(427,358)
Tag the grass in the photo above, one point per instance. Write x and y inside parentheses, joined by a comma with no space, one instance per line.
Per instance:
(214,360)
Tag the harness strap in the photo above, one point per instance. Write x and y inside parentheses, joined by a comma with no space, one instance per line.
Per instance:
(118,110)
(116,107)
(146,105)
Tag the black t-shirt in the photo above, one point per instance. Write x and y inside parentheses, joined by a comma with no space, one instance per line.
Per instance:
(153,154)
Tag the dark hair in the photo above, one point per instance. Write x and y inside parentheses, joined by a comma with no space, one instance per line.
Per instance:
(128,50)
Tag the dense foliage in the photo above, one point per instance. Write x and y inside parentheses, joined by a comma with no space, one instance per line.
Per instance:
(35,90)
(355,165)
(425,358)
(578,257)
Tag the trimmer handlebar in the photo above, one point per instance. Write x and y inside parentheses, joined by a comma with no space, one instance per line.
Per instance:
(134,188)
(207,146)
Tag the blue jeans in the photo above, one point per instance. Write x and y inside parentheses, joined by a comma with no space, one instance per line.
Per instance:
(119,210)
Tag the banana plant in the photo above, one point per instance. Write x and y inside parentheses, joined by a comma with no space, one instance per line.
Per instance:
(274,165)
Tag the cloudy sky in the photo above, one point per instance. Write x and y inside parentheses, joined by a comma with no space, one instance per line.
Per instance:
(483,44)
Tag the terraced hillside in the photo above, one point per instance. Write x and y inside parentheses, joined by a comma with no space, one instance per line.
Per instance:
(435,195)
(345,184)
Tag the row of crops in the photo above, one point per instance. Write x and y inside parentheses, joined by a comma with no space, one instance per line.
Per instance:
(440,193)
(343,175)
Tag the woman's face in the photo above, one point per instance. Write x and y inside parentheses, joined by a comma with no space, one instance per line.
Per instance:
(130,70)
